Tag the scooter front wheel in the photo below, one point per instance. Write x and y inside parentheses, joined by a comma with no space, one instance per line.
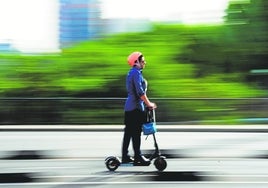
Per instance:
(160,163)
(112,163)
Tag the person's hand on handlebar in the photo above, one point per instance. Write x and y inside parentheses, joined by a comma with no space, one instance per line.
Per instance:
(152,106)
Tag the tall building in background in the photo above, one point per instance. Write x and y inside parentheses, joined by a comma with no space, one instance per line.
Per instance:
(80,20)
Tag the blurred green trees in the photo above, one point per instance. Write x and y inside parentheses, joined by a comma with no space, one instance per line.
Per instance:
(182,61)
(248,26)
(238,46)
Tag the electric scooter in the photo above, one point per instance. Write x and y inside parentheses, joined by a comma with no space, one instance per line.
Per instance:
(113,162)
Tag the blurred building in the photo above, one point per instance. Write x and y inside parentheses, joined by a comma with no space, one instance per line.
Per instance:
(80,20)
(113,26)
(6,47)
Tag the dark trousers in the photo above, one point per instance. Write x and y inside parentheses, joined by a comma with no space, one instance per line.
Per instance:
(133,127)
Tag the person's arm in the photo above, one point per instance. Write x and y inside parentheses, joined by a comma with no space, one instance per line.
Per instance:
(147,102)
(140,91)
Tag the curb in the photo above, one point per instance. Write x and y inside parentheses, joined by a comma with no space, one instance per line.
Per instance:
(119,128)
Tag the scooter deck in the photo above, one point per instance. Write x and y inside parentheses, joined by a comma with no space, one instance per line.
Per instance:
(133,164)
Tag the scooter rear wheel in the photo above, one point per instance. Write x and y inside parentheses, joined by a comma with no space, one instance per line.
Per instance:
(112,163)
(160,163)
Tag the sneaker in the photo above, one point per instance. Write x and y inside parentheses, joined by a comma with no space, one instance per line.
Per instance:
(141,161)
(127,159)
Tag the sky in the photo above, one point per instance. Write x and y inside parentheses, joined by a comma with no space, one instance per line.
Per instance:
(188,11)
(32,25)
(29,25)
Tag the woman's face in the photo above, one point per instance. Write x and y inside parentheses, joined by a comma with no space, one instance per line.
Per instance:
(142,63)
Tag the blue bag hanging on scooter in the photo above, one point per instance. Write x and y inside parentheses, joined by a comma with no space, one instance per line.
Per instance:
(150,126)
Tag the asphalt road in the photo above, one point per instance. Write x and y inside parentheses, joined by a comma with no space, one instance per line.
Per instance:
(55,159)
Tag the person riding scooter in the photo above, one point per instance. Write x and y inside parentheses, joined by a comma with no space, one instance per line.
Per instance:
(135,106)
